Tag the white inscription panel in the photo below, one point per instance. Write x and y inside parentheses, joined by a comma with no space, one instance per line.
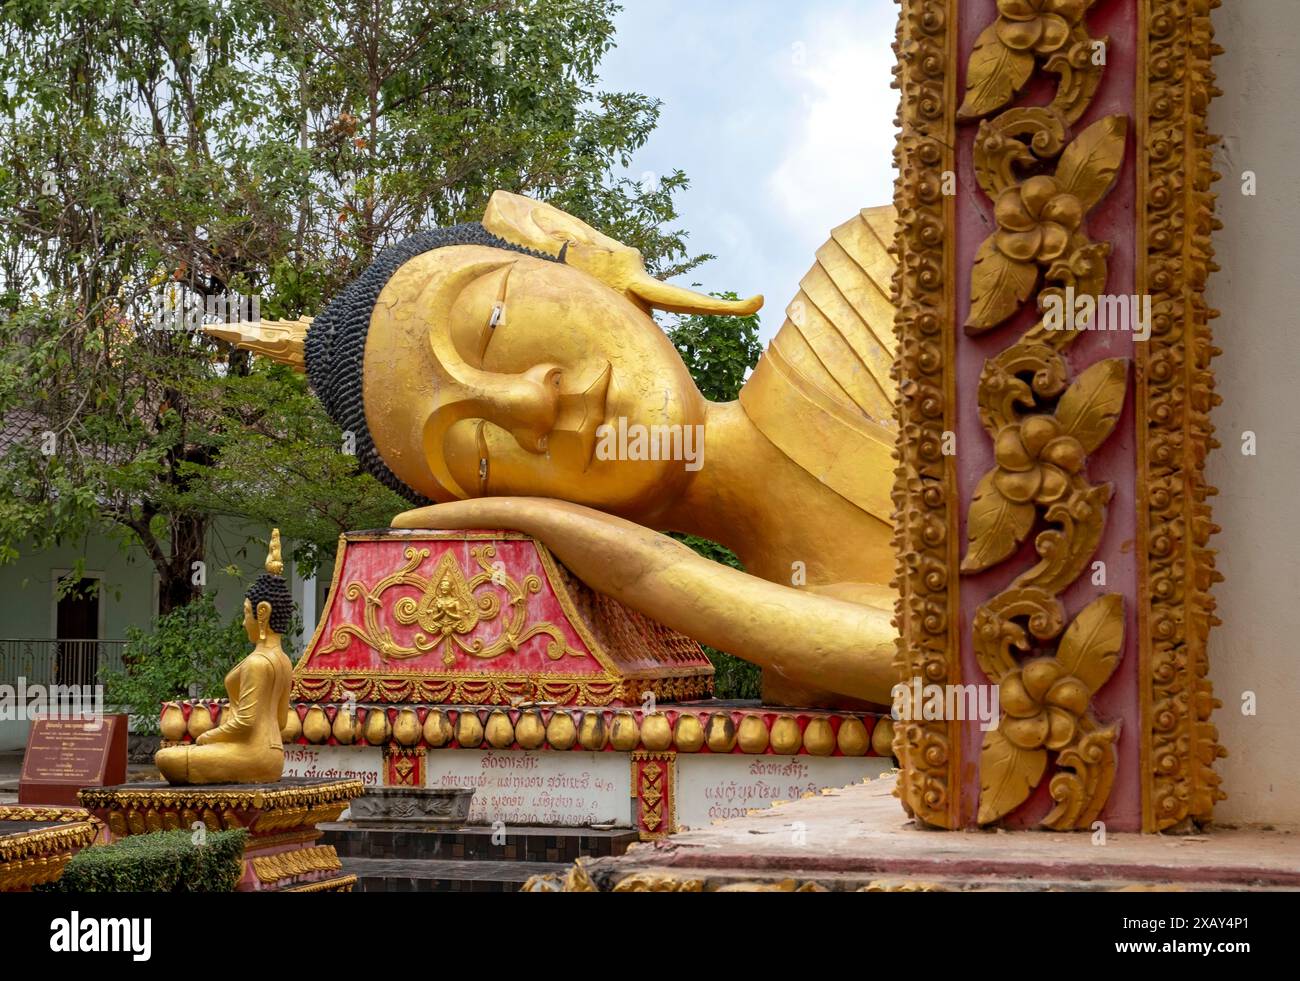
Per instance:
(364,763)
(711,787)
(543,788)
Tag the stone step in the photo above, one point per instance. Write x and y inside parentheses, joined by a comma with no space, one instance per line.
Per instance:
(407,875)
(473,843)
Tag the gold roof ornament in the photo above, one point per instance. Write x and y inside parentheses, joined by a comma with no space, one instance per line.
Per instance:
(545,228)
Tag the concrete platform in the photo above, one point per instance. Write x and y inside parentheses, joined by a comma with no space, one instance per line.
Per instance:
(423,875)
(858,837)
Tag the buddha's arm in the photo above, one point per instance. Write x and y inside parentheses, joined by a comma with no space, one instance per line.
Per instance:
(255,679)
(283,709)
(815,641)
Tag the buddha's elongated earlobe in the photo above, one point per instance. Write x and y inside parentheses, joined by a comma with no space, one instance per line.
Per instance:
(263,619)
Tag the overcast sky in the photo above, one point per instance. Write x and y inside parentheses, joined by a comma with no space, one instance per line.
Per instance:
(780,113)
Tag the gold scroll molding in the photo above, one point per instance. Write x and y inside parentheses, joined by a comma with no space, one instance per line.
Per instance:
(1175,387)
(579,879)
(294,862)
(925,487)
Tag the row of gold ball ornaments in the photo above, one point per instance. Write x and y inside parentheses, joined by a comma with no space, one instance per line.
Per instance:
(591,732)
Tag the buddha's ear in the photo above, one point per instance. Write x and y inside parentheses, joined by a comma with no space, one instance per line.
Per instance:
(545,228)
(263,618)
(673,299)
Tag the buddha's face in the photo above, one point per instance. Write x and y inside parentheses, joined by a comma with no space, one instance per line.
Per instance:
(488,372)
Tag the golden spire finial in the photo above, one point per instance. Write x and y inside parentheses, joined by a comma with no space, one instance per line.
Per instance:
(274,564)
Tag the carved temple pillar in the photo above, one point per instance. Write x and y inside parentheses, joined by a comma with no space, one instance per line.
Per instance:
(1055,214)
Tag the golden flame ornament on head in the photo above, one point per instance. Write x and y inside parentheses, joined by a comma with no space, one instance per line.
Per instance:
(547,229)
(274,564)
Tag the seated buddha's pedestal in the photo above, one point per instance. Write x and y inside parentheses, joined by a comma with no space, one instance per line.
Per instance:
(36,842)
(474,660)
(282,853)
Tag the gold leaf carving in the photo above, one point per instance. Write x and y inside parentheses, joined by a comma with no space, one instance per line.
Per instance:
(1007,775)
(1089,164)
(994,74)
(1092,644)
(449,607)
(1090,407)
(995,526)
(999,285)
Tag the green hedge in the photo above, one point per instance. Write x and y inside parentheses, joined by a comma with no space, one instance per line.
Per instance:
(166,861)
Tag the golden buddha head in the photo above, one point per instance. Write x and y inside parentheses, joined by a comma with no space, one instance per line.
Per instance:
(268,604)
(484,359)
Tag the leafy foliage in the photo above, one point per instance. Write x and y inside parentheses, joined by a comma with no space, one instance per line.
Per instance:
(719,351)
(165,861)
(269,148)
(183,654)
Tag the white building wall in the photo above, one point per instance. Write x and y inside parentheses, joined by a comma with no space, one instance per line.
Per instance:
(1257,649)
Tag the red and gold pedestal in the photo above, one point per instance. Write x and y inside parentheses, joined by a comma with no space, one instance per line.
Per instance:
(475,660)
(36,842)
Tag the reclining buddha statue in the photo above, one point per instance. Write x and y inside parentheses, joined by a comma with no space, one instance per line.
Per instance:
(480,367)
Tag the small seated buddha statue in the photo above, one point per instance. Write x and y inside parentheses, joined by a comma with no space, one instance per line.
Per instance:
(246,746)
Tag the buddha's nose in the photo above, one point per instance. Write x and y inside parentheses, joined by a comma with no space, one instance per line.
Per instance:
(526,406)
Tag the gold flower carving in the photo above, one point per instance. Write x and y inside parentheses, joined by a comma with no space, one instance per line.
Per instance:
(1043,424)
(1008,50)
(1039,220)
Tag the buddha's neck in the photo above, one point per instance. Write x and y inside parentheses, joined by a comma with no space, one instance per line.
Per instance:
(772,513)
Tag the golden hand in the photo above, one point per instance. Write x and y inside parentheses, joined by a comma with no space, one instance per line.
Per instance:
(812,640)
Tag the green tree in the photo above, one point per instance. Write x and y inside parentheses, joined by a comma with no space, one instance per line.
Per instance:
(183,654)
(158,150)
(719,351)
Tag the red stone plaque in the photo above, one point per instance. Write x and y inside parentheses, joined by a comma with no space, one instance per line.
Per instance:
(64,755)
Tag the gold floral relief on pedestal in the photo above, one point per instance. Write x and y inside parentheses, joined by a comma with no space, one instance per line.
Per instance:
(448,609)
(1043,424)
(925,486)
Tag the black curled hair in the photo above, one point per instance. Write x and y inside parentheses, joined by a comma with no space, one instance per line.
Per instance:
(274,590)
(335,347)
